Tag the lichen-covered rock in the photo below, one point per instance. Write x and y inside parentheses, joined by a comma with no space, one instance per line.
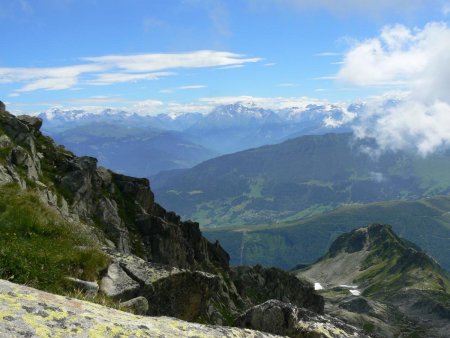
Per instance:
(286,319)
(26,312)
(257,284)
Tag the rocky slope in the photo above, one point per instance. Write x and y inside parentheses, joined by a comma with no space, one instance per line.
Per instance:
(26,312)
(152,263)
(373,278)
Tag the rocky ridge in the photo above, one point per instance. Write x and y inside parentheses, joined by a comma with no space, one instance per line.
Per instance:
(374,279)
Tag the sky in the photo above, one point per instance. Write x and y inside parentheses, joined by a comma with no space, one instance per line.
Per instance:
(161,56)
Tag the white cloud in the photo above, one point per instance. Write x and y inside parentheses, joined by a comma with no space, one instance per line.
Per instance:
(192,87)
(328,54)
(417,60)
(231,67)
(148,107)
(265,102)
(56,78)
(110,69)
(110,78)
(158,62)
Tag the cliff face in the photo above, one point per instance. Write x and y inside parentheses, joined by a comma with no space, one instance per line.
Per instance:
(122,207)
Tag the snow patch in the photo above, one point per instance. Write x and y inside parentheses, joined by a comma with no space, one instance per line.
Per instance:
(355,292)
(318,286)
(345,286)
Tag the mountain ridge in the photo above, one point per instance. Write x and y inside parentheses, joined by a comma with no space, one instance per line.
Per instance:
(377,267)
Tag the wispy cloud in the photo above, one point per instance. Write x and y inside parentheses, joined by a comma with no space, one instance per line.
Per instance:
(269,64)
(150,24)
(325,78)
(192,87)
(328,54)
(187,87)
(111,78)
(231,67)
(110,69)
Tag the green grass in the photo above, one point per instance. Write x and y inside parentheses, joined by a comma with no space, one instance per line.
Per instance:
(39,248)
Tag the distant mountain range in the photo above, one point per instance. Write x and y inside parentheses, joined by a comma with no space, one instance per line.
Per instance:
(145,145)
(298,178)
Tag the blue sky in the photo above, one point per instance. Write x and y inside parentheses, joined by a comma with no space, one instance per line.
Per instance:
(180,55)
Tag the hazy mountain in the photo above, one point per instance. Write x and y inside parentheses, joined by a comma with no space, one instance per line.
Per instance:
(239,126)
(227,128)
(297,178)
(131,148)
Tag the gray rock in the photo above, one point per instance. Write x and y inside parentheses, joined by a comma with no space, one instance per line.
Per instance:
(257,284)
(138,306)
(2,107)
(170,291)
(5,141)
(117,284)
(286,319)
(358,305)
(33,121)
(89,288)
(5,177)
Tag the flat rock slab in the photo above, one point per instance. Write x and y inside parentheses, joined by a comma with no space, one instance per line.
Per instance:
(27,312)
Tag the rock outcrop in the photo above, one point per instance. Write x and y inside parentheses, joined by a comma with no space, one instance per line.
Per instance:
(169,291)
(257,284)
(288,320)
(27,312)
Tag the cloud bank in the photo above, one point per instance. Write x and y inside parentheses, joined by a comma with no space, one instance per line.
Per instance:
(417,61)
(111,69)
